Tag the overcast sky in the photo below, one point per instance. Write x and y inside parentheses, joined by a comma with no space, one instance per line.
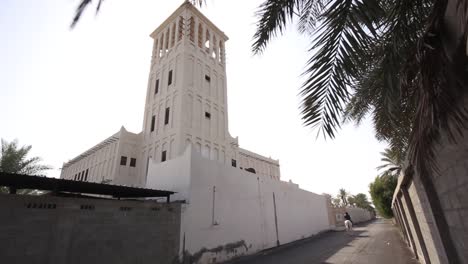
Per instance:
(63,91)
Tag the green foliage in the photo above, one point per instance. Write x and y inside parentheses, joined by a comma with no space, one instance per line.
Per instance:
(381,191)
(351,200)
(13,159)
(361,201)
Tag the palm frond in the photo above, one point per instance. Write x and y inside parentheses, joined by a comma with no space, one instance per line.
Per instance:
(85,3)
(273,14)
(310,13)
(79,11)
(343,39)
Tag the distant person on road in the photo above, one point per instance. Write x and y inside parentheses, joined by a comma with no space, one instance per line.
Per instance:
(348,222)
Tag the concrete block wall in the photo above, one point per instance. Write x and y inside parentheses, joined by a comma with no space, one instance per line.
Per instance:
(48,229)
(452,189)
(426,222)
(449,245)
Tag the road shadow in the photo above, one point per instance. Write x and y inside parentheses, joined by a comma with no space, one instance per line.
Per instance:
(318,248)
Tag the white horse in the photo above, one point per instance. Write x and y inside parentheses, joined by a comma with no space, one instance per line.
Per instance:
(349,225)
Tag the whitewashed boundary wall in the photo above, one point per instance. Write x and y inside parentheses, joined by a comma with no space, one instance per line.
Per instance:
(358,215)
(230,212)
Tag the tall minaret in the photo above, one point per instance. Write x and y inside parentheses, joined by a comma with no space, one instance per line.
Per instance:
(186,100)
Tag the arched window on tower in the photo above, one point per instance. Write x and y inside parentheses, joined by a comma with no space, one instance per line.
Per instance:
(173,34)
(161,42)
(221,51)
(181,29)
(214,53)
(200,35)
(156,49)
(166,46)
(207,40)
(192,29)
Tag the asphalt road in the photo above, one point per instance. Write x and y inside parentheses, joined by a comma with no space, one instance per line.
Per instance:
(375,242)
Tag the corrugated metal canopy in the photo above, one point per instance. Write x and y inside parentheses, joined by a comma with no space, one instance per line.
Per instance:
(21,181)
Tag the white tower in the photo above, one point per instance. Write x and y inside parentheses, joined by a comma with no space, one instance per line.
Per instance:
(186,100)
(186,103)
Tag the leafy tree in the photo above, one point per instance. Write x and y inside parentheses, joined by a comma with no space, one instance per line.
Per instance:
(13,159)
(361,201)
(351,200)
(381,191)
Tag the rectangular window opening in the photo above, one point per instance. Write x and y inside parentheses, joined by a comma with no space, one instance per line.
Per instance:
(156,87)
(123,161)
(132,162)
(166,116)
(207,115)
(234,163)
(153,121)
(163,156)
(169,80)
(86,175)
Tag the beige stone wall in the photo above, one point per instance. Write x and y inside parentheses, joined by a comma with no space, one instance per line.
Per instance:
(451,190)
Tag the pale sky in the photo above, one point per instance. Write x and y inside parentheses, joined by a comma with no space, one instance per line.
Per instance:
(63,91)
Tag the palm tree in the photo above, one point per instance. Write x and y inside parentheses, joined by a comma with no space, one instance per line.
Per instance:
(13,159)
(393,162)
(343,195)
(385,59)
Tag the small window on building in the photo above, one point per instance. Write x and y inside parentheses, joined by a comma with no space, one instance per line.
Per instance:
(163,156)
(169,80)
(86,175)
(207,115)
(166,116)
(156,87)
(153,121)
(76,177)
(123,161)
(132,162)
(207,78)
(234,163)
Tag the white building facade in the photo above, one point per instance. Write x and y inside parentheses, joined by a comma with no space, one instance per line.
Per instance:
(186,104)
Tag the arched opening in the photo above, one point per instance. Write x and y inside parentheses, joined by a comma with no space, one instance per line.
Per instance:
(192,29)
(200,35)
